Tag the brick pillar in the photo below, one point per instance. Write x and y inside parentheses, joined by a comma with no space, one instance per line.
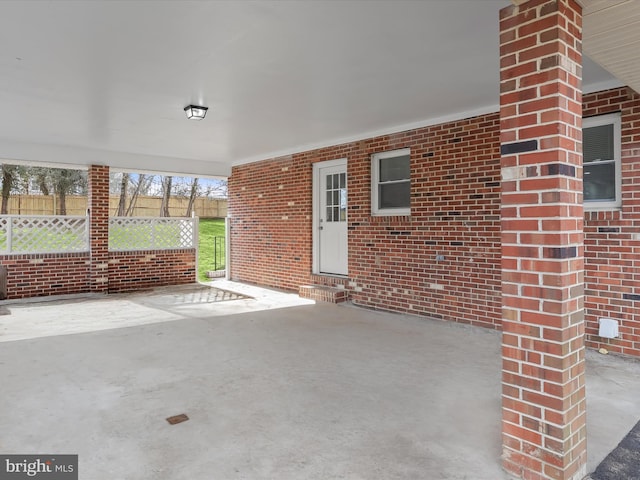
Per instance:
(99,228)
(544,432)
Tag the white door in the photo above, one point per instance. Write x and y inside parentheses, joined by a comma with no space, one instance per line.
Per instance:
(330,217)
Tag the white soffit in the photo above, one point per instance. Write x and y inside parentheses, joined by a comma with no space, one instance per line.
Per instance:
(612,37)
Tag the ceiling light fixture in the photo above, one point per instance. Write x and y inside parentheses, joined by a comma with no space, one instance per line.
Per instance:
(195,112)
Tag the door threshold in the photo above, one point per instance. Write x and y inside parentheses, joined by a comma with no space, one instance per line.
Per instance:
(331,275)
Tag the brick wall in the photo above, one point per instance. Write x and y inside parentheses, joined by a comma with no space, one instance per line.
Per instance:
(392,260)
(98,227)
(46,274)
(455,213)
(40,275)
(139,270)
(612,238)
(270,237)
(455,204)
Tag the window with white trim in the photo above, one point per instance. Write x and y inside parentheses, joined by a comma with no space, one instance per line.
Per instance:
(391,183)
(602,171)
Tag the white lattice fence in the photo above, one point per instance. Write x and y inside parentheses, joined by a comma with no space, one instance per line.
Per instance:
(151,233)
(59,234)
(43,234)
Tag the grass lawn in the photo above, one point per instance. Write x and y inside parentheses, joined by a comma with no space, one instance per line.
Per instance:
(207,230)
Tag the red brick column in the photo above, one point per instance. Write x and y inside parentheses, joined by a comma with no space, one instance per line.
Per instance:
(544,432)
(99,228)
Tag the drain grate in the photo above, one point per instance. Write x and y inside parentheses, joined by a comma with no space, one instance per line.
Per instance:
(177,419)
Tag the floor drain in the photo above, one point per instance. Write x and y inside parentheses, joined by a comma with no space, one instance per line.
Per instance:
(177,419)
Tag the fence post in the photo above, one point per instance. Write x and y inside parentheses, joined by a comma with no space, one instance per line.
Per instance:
(215,253)
(227,248)
(9,234)
(196,239)
(87,233)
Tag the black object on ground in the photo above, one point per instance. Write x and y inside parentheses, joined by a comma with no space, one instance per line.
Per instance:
(623,463)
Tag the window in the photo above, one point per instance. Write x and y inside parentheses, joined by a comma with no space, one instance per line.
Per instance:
(602,167)
(391,183)
(336,191)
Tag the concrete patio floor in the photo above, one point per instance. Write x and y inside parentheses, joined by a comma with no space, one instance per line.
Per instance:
(275,387)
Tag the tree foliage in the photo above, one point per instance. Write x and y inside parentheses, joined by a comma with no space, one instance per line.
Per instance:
(67,182)
(20,179)
(26,180)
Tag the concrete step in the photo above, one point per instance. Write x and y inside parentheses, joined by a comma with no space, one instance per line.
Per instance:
(322,293)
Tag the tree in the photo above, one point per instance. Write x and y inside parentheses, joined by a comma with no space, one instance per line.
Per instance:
(166,195)
(9,176)
(66,182)
(15,179)
(192,196)
(24,183)
(41,177)
(122,203)
(141,188)
(215,189)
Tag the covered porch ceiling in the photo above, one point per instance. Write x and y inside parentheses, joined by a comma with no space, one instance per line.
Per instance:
(106,82)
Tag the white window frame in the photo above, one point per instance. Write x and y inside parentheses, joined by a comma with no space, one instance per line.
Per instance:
(375,179)
(615,120)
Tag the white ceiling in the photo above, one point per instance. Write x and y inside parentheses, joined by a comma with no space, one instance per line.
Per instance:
(106,81)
